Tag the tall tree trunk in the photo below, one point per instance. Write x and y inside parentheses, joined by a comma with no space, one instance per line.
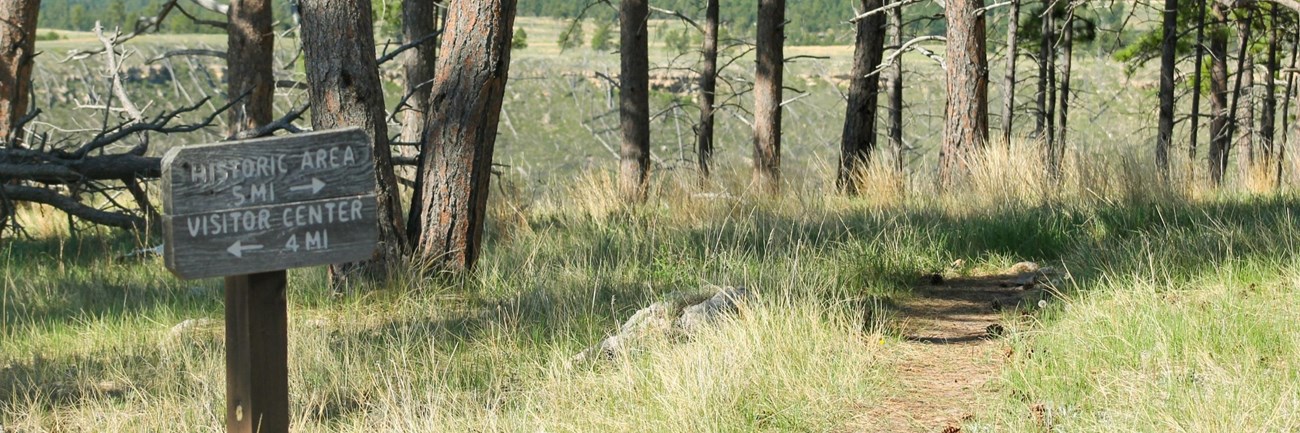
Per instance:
(1049,132)
(1234,108)
(18,19)
(338,43)
(249,54)
(708,88)
(1268,115)
(461,130)
(966,117)
(1196,84)
(634,100)
(419,20)
(1165,118)
(1063,110)
(858,139)
(767,95)
(1286,108)
(1045,55)
(1009,81)
(1245,122)
(895,90)
(1219,136)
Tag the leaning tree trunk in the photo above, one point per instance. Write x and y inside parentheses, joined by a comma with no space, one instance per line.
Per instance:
(894,88)
(419,23)
(708,88)
(344,89)
(634,100)
(767,95)
(1063,107)
(1009,80)
(859,135)
(1165,118)
(1196,85)
(1235,106)
(966,116)
(17,48)
(461,130)
(249,54)
(1219,136)
(1268,113)
(1245,122)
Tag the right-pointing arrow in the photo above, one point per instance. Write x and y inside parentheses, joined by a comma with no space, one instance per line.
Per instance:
(237,249)
(315,186)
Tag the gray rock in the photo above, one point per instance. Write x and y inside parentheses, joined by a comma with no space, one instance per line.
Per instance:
(679,315)
(697,316)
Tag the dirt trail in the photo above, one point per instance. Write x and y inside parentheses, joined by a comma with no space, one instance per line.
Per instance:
(945,367)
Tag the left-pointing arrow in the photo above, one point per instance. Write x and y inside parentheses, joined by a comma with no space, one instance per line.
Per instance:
(237,249)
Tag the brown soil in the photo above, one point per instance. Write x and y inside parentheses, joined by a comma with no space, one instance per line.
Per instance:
(950,355)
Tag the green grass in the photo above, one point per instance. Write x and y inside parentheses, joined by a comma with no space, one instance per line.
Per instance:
(1178,314)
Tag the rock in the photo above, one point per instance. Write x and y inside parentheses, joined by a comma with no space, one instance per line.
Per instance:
(1023,268)
(679,315)
(697,316)
(194,330)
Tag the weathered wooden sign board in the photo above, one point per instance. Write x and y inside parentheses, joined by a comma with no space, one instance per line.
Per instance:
(249,209)
(250,206)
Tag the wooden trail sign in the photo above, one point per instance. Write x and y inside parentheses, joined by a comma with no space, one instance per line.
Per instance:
(249,209)
(249,206)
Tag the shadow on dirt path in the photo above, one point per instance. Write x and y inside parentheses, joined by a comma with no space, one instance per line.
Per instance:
(950,352)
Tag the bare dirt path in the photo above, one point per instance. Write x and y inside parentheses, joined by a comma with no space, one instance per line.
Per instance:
(950,356)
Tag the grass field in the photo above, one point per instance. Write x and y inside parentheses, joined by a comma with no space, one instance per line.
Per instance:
(1178,310)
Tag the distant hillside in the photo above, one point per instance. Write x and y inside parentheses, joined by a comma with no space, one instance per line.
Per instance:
(82,14)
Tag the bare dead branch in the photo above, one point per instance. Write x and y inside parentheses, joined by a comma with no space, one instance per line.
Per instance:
(283,123)
(400,48)
(882,9)
(199,52)
(71,206)
(212,5)
(142,25)
(679,16)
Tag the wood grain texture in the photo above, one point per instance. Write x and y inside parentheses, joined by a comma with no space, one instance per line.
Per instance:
(271,237)
(183,195)
(257,341)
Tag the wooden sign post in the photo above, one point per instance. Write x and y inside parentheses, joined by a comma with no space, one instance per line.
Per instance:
(247,210)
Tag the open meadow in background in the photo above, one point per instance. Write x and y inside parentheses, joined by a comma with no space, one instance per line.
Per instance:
(1176,308)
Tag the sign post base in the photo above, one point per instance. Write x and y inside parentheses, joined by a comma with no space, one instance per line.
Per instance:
(257,368)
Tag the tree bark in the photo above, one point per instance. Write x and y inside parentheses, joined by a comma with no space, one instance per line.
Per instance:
(461,129)
(1063,107)
(858,139)
(895,90)
(249,56)
(419,20)
(1196,84)
(634,100)
(343,86)
(1045,55)
(1268,113)
(1009,81)
(1245,121)
(1165,118)
(966,117)
(18,19)
(768,79)
(708,89)
(1219,136)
